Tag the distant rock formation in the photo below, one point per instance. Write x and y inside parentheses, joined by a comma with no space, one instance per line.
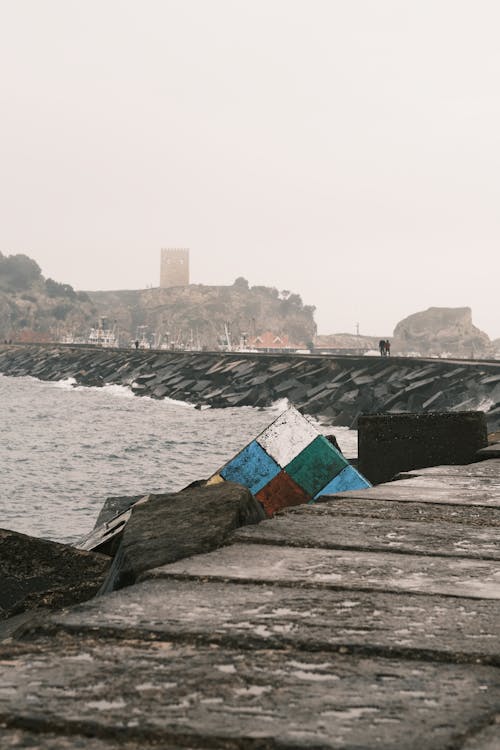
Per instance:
(441,331)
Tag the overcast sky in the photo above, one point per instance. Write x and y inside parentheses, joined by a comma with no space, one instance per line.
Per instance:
(347,150)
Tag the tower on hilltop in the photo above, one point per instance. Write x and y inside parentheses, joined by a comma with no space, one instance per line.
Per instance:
(174,269)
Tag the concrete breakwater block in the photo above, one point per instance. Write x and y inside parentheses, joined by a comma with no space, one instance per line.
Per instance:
(258,616)
(169,527)
(321,526)
(38,573)
(338,390)
(393,443)
(170,695)
(341,569)
(290,463)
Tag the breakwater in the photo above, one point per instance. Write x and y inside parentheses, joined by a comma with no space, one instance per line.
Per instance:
(369,620)
(337,390)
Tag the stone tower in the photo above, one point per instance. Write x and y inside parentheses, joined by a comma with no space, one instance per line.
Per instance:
(174,269)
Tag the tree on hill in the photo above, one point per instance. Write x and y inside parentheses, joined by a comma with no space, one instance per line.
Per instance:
(18,272)
(240,283)
(55,289)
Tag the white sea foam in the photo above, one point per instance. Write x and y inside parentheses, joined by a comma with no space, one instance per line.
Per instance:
(66,385)
(279,406)
(168,401)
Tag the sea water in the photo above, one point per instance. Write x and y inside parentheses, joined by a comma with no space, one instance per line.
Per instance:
(64,449)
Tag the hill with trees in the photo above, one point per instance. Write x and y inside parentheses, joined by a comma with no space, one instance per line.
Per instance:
(202,315)
(33,308)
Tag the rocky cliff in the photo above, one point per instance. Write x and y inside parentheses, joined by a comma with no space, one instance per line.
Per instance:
(441,331)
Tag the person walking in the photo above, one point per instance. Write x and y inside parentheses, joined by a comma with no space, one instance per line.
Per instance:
(387,348)
(381,346)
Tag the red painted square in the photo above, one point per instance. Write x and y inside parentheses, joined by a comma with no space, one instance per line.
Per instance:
(281,492)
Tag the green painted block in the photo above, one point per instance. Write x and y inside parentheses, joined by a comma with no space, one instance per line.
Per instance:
(315,466)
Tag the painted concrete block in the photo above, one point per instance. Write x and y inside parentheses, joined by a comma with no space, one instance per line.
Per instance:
(348,479)
(281,492)
(290,463)
(287,436)
(253,468)
(315,466)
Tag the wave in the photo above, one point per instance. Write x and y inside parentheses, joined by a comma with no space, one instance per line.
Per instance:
(176,402)
(66,385)
(282,404)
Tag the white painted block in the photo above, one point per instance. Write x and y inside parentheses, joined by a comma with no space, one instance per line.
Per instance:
(287,436)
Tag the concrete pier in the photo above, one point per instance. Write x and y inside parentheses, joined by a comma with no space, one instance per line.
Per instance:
(370,620)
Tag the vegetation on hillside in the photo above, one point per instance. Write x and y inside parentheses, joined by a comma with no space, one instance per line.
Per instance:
(33,308)
(201,315)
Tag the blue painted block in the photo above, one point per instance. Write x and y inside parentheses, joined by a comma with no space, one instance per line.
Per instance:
(253,468)
(348,479)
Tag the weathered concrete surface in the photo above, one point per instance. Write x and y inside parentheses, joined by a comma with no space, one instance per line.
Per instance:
(338,569)
(21,739)
(487,739)
(442,493)
(455,483)
(487,469)
(281,646)
(391,443)
(168,527)
(38,573)
(261,698)
(408,510)
(305,618)
(491,451)
(316,527)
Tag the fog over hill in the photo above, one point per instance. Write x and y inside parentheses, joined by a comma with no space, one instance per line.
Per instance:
(201,314)
(35,308)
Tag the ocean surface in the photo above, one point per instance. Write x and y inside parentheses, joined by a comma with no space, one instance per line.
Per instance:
(65,449)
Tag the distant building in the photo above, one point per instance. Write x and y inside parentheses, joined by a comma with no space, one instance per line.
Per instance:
(174,269)
(269,341)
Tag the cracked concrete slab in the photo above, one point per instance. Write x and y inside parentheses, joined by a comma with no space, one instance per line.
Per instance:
(316,528)
(270,616)
(342,569)
(165,692)
(433,493)
(485,739)
(452,482)
(22,739)
(469,515)
(487,468)
(295,642)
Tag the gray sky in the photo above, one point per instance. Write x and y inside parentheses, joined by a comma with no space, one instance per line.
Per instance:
(347,150)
